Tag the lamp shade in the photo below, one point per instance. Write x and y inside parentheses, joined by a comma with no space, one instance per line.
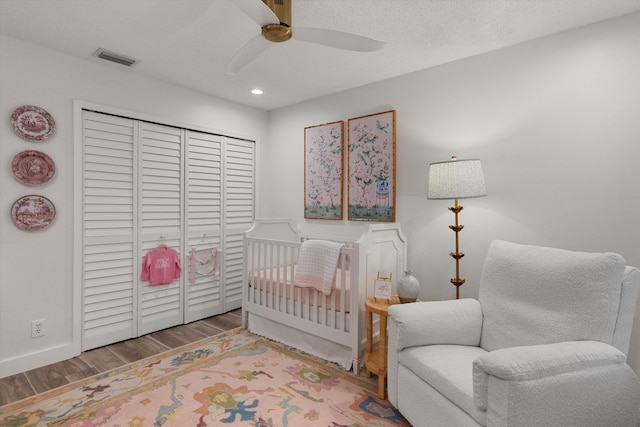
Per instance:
(456,179)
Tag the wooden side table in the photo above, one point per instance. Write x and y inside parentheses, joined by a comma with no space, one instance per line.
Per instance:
(375,358)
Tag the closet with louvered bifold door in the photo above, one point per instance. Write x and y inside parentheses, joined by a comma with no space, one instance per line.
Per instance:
(147,184)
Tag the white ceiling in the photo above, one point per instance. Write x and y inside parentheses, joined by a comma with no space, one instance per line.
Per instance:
(190,42)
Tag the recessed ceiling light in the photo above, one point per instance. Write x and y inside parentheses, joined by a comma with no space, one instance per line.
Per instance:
(257,91)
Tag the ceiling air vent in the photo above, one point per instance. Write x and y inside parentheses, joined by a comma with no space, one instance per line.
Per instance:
(115,57)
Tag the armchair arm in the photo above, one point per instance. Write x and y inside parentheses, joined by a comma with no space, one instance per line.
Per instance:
(437,322)
(427,323)
(560,383)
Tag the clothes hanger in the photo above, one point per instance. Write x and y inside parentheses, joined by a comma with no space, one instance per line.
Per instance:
(162,244)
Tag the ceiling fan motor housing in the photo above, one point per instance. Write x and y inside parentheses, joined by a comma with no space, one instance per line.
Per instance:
(278,32)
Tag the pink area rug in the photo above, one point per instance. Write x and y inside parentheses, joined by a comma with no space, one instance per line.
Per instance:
(233,378)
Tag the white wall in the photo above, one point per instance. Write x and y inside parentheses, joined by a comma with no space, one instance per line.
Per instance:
(36,268)
(556,123)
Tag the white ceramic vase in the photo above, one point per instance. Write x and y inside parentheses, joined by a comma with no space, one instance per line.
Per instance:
(408,287)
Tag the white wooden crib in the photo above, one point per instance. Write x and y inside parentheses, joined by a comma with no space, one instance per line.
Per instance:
(331,327)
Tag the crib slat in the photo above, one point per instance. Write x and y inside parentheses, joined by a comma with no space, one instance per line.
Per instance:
(339,293)
(260,290)
(271,302)
(313,309)
(275,283)
(290,289)
(341,309)
(298,301)
(246,293)
(254,267)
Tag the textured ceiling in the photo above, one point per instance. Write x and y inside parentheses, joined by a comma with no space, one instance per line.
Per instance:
(190,42)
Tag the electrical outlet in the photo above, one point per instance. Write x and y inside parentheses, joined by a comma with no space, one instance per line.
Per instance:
(37,328)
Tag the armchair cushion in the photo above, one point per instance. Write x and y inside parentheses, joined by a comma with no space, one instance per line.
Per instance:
(448,369)
(536,295)
(535,362)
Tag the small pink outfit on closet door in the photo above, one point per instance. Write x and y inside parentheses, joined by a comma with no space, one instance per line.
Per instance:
(204,262)
(161,266)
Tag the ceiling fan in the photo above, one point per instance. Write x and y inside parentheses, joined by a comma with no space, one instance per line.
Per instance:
(274,17)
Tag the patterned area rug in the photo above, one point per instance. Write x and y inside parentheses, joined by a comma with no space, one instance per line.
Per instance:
(233,378)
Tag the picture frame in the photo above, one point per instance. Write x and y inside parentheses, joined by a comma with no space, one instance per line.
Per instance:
(324,171)
(372,167)
(382,289)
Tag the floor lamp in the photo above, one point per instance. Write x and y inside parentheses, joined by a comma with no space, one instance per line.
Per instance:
(456,179)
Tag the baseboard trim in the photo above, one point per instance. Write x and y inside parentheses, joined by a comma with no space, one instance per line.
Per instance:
(26,362)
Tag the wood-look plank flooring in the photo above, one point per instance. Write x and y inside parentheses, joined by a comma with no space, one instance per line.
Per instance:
(92,362)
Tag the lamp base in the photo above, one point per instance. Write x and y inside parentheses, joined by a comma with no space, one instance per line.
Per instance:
(457,255)
(456,281)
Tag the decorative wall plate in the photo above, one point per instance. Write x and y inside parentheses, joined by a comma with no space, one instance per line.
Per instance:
(32,123)
(33,212)
(33,167)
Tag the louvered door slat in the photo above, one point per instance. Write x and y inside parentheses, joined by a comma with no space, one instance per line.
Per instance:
(239,197)
(203,195)
(160,220)
(108,230)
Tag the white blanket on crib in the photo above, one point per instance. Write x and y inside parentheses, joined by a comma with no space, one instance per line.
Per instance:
(317,263)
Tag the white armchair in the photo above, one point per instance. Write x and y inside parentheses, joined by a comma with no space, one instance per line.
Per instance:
(545,344)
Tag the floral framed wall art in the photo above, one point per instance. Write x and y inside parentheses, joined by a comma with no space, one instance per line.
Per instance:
(323,171)
(372,167)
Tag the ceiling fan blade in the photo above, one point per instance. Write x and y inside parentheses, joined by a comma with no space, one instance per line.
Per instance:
(258,11)
(337,39)
(247,53)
